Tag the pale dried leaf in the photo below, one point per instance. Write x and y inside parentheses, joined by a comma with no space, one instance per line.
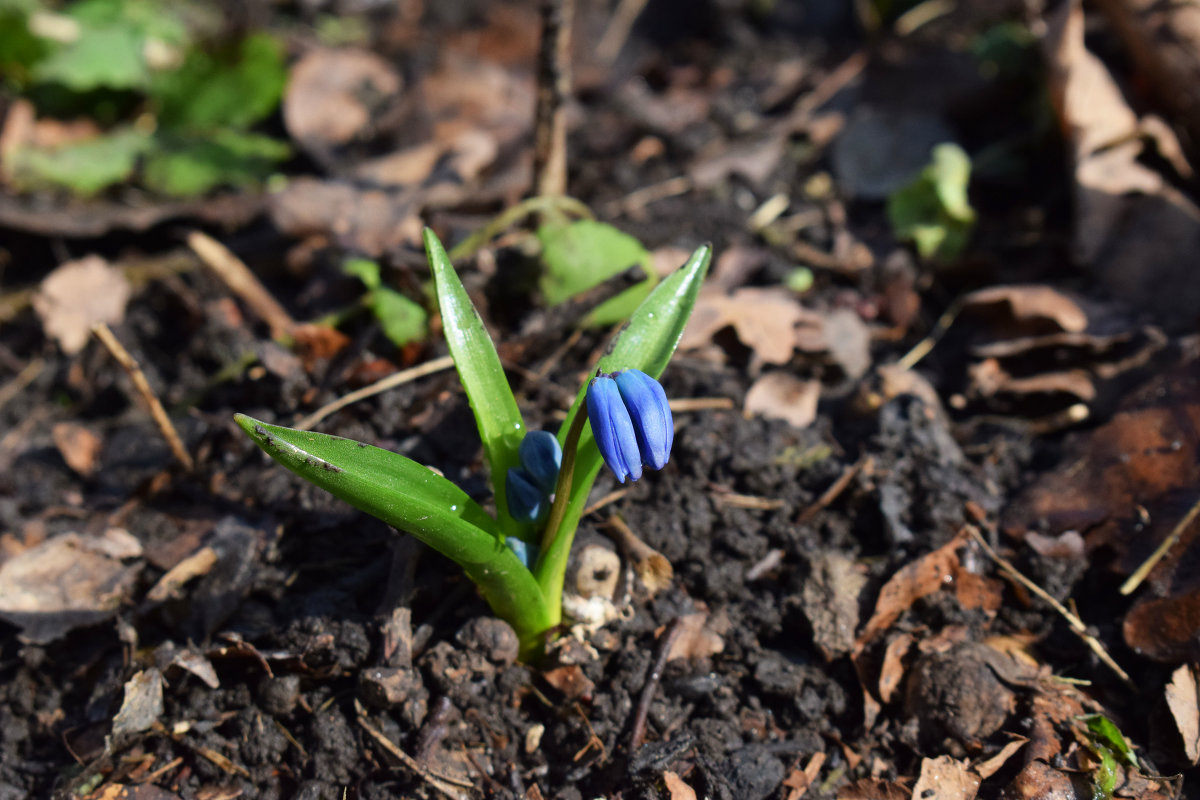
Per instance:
(328,100)
(891,673)
(781,395)
(1183,698)
(1032,303)
(79,446)
(195,663)
(78,295)
(830,602)
(697,638)
(988,768)
(768,321)
(143,703)
(944,778)
(676,788)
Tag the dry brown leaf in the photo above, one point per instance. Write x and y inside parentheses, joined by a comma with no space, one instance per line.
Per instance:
(781,395)
(79,446)
(571,681)
(1035,308)
(988,768)
(676,788)
(66,582)
(765,320)
(371,221)
(466,154)
(78,295)
(830,602)
(873,789)
(1183,698)
(194,662)
(197,564)
(891,673)
(143,703)
(944,778)
(333,95)
(697,638)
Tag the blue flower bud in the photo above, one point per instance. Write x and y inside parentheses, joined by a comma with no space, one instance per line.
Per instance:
(631,422)
(526,502)
(541,457)
(528,553)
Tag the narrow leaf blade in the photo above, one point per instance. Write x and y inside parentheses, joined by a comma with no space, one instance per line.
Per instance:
(496,414)
(415,499)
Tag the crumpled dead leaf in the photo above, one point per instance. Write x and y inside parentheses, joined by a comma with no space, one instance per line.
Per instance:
(1183,699)
(66,582)
(945,778)
(143,703)
(79,446)
(1035,308)
(781,395)
(78,295)
(698,637)
(334,94)
(830,602)
(371,221)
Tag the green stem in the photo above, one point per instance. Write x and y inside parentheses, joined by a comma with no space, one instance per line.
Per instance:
(551,204)
(551,567)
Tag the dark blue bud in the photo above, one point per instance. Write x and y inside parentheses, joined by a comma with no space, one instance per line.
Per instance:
(651,415)
(631,422)
(526,502)
(613,429)
(541,457)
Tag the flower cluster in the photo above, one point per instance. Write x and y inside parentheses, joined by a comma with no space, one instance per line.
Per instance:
(530,487)
(631,422)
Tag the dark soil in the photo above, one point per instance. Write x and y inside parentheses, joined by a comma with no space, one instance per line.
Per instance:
(323,625)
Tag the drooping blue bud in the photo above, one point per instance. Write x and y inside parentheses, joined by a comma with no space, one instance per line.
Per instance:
(528,553)
(631,422)
(541,457)
(652,424)
(526,502)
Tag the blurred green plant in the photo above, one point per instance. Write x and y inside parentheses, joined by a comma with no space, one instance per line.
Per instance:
(403,320)
(933,211)
(579,254)
(172,105)
(1110,747)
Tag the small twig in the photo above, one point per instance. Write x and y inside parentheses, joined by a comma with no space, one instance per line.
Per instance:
(685,405)
(636,201)
(390,382)
(638,734)
(1077,625)
(922,348)
(140,383)
(835,489)
(21,380)
(514,214)
(607,500)
(651,566)
(1139,575)
(242,282)
(554,86)
(617,32)
(439,783)
(770,561)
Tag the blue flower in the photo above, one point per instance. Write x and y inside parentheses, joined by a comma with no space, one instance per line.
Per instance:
(541,457)
(631,422)
(526,502)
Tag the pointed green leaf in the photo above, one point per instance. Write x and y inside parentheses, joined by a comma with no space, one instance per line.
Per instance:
(496,413)
(415,499)
(647,343)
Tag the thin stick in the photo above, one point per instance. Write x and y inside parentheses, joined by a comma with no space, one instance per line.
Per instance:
(140,383)
(242,282)
(1072,619)
(835,489)
(922,348)
(440,784)
(651,566)
(617,32)
(554,86)
(390,382)
(607,500)
(638,735)
(683,405)
(1139,575)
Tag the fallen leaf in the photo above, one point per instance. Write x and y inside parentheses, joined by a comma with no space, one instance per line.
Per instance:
(830,602)
(891,673)
(571,681)
(873,789)
(988,768)
(1183,698)
(195,565)
(66,582)
(78,446)
(143,703)
(194,662)
(765,320)
(697,638)
(334,94)
(1033,309)
(78,295)
(371,221)
(944,778)
(781,395)
(676,788)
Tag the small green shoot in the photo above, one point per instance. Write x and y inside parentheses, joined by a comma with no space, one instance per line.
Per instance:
(578,255)
(933,211)
(403,320)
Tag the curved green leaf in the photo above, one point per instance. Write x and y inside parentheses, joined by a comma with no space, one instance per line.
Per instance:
(496,414)
(647,343)
(415,499)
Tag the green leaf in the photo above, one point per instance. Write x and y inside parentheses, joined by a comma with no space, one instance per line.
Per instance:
(1105,732)
(647,343)
(20,50)
(85,168)
(188,166)
(578,255)
(403,320)
(234,88)
(415,499)
(496,414)
(933,211)
(105,56)
(365,270)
